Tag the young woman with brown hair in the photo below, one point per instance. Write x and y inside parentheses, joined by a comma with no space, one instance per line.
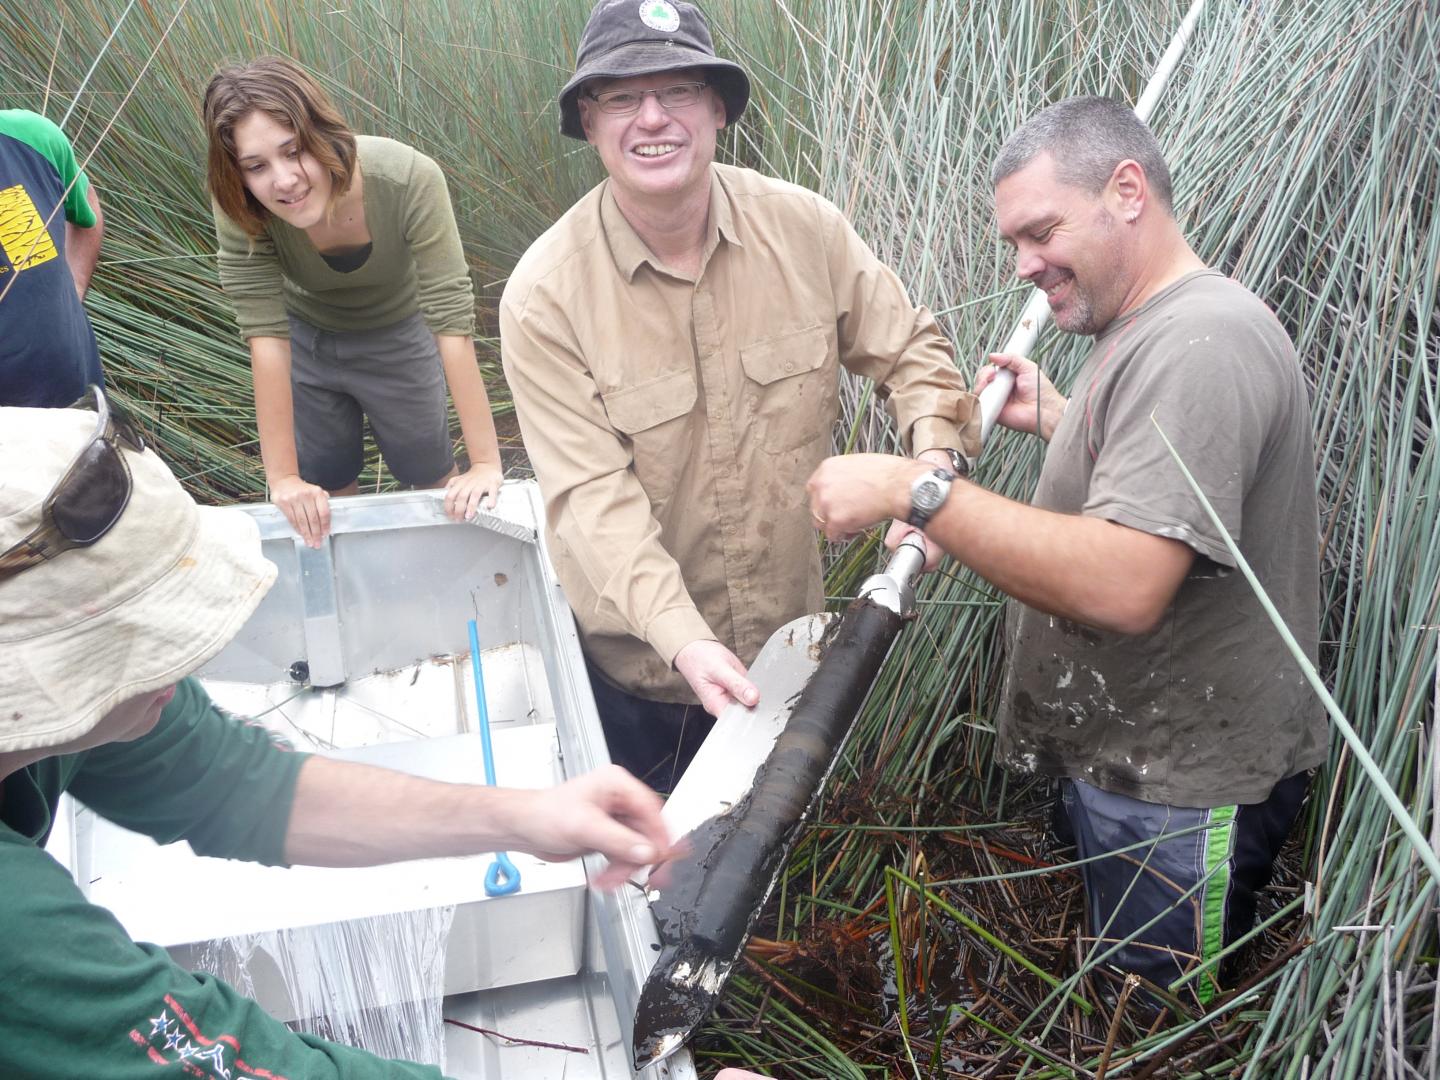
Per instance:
(341,255)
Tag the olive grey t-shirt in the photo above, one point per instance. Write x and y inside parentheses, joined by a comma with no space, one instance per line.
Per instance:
(1209,708)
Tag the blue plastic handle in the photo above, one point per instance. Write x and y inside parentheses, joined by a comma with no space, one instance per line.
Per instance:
(484,718)
(502,878)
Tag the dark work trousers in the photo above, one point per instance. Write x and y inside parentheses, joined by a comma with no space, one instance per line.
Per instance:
(654,740)
(1183,897)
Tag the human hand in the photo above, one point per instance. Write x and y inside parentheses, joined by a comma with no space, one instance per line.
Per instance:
(305,506)
(716,675)
(608,811)
(1031,398)
(900,529)
(465,492)
(854,491)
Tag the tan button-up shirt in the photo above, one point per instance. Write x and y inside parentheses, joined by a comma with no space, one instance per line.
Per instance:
(672,422)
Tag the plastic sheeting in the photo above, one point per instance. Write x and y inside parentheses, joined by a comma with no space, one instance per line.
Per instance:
(375,983)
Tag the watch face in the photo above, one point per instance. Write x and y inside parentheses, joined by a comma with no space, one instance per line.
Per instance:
(928,494)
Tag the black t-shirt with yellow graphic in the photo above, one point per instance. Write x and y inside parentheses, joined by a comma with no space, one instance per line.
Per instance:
(47,347)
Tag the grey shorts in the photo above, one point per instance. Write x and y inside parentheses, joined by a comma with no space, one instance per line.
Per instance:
(393,377)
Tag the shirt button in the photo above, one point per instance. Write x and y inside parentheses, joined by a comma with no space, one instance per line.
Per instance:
(789,365)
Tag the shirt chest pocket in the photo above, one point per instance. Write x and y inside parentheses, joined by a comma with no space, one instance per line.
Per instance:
(653,415)
(791,391)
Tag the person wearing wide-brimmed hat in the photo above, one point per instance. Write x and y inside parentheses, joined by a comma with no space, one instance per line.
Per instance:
(114,587)
(674,346)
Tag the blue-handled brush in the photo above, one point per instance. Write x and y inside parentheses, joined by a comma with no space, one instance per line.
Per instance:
(502,878)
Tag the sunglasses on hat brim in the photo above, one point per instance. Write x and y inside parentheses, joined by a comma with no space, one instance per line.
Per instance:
(89,497)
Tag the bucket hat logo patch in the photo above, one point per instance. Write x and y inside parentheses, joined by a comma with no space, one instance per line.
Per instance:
(660,15)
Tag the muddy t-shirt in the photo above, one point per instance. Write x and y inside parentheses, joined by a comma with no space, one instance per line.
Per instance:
(1209,708)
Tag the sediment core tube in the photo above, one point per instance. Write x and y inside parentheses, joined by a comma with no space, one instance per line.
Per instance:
(717,891)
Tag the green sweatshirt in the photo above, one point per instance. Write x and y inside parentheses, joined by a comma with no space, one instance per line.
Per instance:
(415,264)
(78,998)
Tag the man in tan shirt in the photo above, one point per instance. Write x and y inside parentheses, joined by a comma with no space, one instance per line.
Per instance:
(674,345)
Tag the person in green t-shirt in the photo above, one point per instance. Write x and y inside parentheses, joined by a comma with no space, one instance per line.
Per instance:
(341,255)
(114,587)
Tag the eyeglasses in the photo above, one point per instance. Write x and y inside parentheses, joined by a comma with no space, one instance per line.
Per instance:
(624,102)
(88,499)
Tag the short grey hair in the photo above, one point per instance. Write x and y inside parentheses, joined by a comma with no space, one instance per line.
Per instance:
(1087,137)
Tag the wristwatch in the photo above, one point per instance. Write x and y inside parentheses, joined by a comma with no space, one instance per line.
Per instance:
(959,463)
(928,493)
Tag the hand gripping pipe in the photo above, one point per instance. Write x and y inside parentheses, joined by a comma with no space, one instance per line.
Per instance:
(717,890)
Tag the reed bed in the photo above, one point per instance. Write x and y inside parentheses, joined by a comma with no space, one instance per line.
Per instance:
(1305,140)
(926,925)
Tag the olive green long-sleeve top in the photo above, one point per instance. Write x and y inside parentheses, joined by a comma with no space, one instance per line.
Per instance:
(416,262)
(672,423)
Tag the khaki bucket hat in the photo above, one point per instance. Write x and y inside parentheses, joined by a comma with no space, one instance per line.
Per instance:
(155,597)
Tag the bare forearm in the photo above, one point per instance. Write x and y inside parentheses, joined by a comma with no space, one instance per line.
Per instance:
(82,246)
(1052,409)
(274,407)
(472,404)
(1082,568)
(347,814)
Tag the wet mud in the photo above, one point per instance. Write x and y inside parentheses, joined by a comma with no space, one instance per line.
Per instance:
(716,893)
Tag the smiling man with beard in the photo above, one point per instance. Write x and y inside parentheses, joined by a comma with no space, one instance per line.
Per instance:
(1143,674)
(674,345)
